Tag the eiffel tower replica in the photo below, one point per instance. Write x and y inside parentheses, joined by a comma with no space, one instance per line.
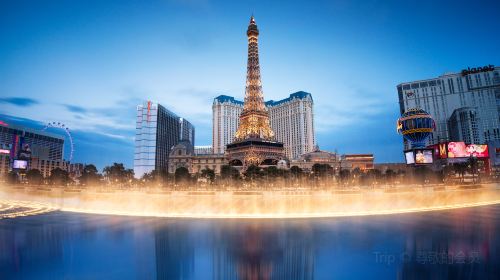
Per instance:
(254,140)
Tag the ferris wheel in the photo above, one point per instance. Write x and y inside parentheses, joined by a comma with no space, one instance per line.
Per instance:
(68,134)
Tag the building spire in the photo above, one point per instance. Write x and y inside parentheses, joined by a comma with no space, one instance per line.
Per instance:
(254,120)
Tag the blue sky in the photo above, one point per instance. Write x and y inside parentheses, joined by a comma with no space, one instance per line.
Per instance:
(89,63)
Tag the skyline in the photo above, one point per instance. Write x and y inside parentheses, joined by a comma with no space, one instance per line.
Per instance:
(63,51)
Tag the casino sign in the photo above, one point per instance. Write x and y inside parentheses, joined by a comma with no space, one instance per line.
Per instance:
(469,70)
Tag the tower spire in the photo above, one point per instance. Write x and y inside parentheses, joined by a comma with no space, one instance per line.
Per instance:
(254,120)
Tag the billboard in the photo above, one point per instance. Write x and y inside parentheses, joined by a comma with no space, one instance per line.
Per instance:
(20,164)
(423,156)
(25,152)
(461,150)
(442,150)
(409,157)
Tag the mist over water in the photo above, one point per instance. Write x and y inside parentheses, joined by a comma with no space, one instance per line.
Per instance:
(254,204)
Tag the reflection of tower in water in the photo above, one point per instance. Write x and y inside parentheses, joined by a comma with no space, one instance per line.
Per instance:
(264,252)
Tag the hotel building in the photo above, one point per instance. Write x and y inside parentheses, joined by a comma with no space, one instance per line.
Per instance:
(157,131)
(464,105)
(27,144)
(292,120)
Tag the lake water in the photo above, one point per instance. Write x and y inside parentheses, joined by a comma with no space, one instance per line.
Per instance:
(455,244)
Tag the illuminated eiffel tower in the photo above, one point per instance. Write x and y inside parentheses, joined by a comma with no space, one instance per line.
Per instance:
(254,140)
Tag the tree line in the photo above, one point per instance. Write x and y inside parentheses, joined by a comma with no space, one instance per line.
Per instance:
(321,175)
(115,174)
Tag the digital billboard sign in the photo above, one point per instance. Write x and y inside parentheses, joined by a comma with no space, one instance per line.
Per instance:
(409,157)
(423,156)
(20,164)
(461,150)
(25,152)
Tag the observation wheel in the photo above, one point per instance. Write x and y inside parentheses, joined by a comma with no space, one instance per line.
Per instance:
(62,126)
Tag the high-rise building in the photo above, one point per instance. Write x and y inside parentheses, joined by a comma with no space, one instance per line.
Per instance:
(23,143)
(203,150)
(225,119)
(41,144)
(292,120)
(464,105)
(254,139)
(157,131)
(463,125)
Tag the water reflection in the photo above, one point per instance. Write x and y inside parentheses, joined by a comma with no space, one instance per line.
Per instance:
(441,245)
(263,251)
(174,252)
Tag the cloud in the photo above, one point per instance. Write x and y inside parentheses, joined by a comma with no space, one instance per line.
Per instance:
(117,120)
(19,101)
(350,109)
(75,109)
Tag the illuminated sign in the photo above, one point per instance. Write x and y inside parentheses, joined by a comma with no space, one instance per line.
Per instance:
(20,164)
(409,157)
(461,150)
(423,156)
(149,111)
(477,70)
(4,151)
(442,151)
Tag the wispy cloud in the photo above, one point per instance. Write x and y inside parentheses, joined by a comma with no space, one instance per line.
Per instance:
(19,101)
(75,109)
(351,108)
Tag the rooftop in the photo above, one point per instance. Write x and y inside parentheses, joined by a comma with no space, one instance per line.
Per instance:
(32,130)
(447,74)
(295,95)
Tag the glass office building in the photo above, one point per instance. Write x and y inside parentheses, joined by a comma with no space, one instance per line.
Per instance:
(157,131)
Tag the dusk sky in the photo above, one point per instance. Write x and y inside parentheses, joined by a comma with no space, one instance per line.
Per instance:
(88,64)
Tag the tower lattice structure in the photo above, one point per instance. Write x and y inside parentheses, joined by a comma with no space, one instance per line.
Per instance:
(254,120)
(254,139)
